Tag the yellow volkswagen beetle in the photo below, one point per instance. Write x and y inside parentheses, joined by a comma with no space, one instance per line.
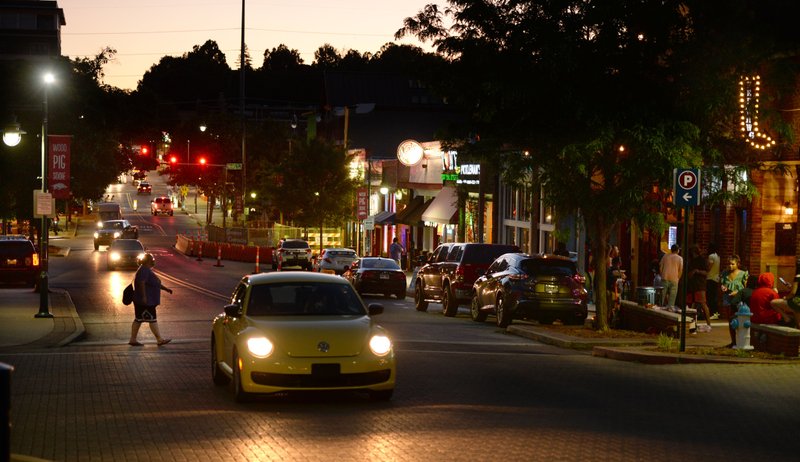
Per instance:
(296,331)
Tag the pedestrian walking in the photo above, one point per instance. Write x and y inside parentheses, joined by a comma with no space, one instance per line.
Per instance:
(147,289)
(696,290)
(671,269)
(713,290)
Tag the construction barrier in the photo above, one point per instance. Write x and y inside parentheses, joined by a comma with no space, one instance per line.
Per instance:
(219,256)
(191,247)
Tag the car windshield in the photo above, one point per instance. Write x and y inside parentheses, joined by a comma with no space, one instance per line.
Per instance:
(340,253)
(382,263)
(485,253)
(115,225)
(304,298)
(548,267)
(124,244)
(295,245)
(13,249)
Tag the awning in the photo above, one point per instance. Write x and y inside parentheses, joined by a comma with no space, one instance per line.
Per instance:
(444,207)
(382,218)
(412,214)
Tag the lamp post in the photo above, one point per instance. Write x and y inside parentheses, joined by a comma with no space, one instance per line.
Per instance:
(12,134)
(44,290)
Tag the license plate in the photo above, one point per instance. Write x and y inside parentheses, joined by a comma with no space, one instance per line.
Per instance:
(551,288)
(384,276)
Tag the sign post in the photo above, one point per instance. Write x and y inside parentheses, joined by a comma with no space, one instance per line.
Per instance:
(686,188)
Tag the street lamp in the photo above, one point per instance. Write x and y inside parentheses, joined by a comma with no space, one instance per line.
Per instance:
(44,302)
(12,134)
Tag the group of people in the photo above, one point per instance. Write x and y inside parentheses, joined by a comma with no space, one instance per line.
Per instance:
(711,290)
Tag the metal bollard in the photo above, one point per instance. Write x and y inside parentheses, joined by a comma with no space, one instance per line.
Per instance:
(5,411)
(741,324)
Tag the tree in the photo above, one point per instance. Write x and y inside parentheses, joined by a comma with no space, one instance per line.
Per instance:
(311,185)
(281,58)
(326,57)
(612,89)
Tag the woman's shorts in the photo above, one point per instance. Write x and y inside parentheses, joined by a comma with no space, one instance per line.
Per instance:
(144,313)
(696,297)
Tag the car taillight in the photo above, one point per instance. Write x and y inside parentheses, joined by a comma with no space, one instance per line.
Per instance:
(399,275)
(34,259)
(369,275)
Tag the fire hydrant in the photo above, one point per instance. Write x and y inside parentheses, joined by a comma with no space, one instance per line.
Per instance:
(741,324)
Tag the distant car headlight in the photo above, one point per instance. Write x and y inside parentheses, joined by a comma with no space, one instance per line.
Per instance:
(96,234)
(99,224)
(380,345)
(115,256)
(117,234)
(260,347)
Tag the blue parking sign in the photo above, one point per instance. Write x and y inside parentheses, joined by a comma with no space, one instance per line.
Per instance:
(686,187)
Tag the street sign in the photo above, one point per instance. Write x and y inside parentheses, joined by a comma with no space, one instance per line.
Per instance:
(234,166)
(686,187)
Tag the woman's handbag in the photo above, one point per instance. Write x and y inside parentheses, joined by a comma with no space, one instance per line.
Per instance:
(127,295)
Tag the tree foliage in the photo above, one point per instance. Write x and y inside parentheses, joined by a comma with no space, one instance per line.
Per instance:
(621,92)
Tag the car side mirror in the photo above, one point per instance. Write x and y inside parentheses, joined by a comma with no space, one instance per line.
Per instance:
(375,309)
(233,311)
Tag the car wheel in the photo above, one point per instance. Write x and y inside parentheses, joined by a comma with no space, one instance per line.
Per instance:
(449,305)
(503,316)
(475,310)
(239,394)
(381,395)
(419,298)
(217,375)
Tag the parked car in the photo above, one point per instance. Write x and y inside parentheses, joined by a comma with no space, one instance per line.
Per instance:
(114,229)
(448,275)
(144,188)
(283,332)
(19,260)
(545,288)
(124,253)
(337,260)
(377,275)
(161,204)
(292,252)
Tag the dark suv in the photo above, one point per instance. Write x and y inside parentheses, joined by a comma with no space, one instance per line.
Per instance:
(19,261)
(448,275)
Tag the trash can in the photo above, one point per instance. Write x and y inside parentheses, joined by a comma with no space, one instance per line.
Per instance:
(646,296)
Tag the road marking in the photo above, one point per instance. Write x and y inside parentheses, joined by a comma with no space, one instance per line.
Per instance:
(194,287)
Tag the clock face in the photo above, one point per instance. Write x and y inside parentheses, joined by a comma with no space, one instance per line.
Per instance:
(409,152)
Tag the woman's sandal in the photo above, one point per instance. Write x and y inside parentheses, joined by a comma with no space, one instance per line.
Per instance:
(164,341)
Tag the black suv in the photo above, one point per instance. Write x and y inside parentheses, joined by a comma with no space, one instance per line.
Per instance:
(448,275)
(19,261)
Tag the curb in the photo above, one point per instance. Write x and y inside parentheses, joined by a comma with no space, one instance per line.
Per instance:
(565,341)
(657,358)
(79,330)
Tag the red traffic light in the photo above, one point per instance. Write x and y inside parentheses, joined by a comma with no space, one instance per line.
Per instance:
(202,161)
(145,150)
(173,159)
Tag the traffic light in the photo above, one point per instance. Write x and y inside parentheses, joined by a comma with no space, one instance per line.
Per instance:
(145,150)
(173,159)
(202,161)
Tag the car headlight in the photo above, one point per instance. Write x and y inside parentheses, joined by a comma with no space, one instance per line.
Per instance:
(117,234)
(260,347)
(96,234)
(380,345)
(114,256)
(140,257)
(99,224)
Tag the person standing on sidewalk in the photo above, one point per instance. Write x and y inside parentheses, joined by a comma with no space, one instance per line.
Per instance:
(696,289)
(396,251)
(147,289)
(671,269)
(713,291)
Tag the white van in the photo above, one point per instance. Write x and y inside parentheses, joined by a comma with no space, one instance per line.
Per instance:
(108,211)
